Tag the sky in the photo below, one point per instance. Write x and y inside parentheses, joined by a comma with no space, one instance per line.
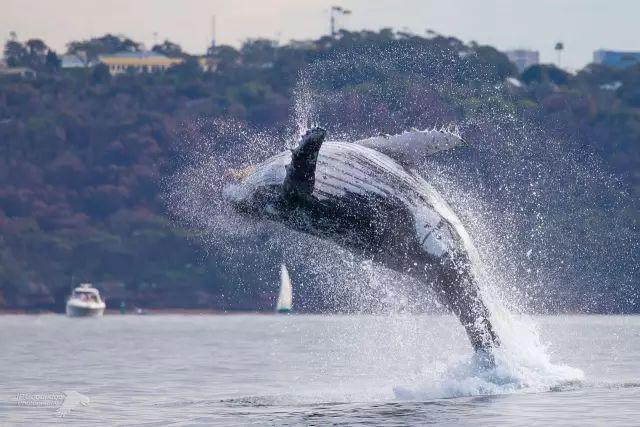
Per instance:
(583,25)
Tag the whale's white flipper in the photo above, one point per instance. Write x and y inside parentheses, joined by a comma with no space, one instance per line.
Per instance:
(412,147)
(285,298)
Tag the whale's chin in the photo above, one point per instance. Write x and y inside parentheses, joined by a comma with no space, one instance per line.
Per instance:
(234,194)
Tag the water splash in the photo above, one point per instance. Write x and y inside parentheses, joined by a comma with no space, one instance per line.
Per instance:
(522,365)
(303,110)
(510,189)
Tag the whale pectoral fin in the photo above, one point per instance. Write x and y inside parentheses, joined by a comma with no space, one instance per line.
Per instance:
(413,147)
(301,172)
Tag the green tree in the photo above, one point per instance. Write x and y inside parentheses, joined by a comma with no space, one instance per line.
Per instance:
(52,61)
(169,49)
(108,43)
(15,53)
(259,51)
(545,74)
(100,73)
(187,70)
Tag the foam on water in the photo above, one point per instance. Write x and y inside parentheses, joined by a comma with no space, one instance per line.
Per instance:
(522,365)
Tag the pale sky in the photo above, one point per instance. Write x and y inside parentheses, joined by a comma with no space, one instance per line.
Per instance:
(583,25)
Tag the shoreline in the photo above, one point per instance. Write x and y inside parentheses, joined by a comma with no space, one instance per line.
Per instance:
(152,312)
(217,312)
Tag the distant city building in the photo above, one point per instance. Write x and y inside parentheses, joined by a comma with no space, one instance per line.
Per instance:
(523,58)
(616,59)
(138,62)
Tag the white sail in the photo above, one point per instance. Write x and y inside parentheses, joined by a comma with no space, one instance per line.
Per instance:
(286,293)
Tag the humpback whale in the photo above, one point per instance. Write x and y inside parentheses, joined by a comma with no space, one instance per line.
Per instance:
(366,197)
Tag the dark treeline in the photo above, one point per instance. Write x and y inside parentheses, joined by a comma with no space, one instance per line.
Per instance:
(84,152)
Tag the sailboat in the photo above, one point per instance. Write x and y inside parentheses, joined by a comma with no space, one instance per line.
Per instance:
(286,292)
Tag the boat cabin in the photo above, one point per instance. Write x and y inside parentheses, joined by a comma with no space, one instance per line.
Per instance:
(85,292)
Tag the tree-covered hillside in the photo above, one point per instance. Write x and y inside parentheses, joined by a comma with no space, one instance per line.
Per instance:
(84,153)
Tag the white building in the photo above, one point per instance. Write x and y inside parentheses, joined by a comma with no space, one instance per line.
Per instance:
(138,62)
(523,58)
(76,60)
(24,72)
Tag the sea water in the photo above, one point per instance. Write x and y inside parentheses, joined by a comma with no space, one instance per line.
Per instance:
(241,369)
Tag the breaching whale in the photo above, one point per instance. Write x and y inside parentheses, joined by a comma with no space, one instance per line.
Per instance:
(365,197)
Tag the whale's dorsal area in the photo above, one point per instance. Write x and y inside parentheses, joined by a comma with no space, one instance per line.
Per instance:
(410,148)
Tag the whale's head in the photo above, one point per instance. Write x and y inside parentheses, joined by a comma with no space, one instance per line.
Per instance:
(257,190)
(287,177)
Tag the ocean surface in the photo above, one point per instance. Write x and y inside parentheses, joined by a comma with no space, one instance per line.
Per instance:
(315,370)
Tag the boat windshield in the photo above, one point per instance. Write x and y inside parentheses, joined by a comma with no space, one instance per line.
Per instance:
(85,296)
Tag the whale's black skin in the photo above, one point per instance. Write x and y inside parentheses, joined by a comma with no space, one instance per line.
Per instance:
(369,204)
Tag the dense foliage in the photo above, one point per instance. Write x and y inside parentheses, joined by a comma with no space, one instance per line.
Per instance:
(83,154)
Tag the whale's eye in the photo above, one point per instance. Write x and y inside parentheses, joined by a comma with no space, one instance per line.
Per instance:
(270,209)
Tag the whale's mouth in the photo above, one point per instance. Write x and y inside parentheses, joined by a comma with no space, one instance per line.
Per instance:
(233,191)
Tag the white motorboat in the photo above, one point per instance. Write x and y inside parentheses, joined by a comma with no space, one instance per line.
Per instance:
(85,301)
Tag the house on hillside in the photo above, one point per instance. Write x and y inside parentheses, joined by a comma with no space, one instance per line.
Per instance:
(138,62)
(22,72)
(523,58)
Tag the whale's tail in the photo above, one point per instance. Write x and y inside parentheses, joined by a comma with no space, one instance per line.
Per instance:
(443,237)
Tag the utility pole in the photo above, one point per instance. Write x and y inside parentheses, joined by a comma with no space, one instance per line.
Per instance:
(213,31)
(337,10)
(211,48)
